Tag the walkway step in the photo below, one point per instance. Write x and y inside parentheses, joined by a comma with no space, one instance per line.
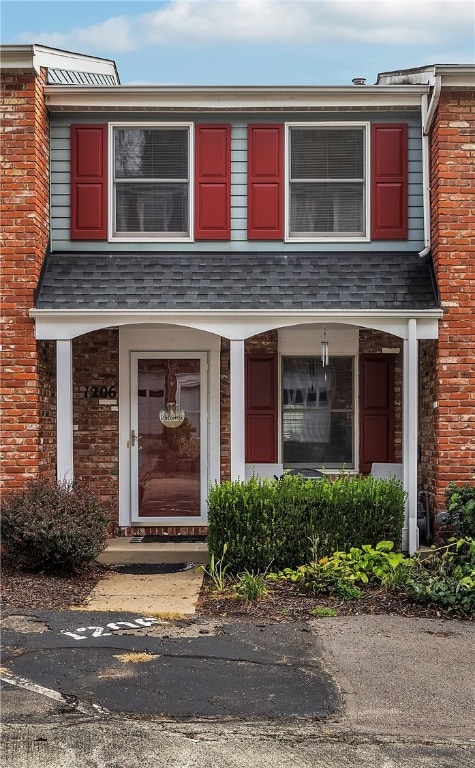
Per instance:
(171,595)
(124,550)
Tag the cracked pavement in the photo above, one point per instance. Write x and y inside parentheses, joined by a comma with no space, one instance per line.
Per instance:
(113,690)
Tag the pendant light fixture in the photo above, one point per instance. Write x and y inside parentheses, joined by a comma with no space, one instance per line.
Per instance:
(324,356)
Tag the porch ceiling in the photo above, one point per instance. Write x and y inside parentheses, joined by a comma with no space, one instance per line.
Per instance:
(187,281)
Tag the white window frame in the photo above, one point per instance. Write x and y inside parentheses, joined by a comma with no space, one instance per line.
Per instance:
(317,238)
(153,238)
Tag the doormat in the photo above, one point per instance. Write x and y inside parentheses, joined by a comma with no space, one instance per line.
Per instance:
(152,569)
(162,539)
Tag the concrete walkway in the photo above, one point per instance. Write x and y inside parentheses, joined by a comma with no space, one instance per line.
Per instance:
(167,594)
(149,579)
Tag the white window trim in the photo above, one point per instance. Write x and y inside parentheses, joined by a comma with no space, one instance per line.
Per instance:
(113,238)
(319,238)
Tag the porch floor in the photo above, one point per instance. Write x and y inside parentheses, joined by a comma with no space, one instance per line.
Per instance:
(122,550)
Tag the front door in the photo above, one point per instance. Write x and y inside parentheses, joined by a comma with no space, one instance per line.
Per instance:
(168,440)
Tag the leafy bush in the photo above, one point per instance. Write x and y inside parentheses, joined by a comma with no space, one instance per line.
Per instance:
(265,521)
(461,508)
(375,564)
(324,576)
(446,577)
(341,573)
(49,526)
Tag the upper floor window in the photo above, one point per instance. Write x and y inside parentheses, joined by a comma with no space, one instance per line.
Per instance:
(327,182)
(151,181)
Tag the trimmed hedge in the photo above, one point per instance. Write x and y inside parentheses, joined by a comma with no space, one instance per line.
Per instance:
(50,526)
(283,521)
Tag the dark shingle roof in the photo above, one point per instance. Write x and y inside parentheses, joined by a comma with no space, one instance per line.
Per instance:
(234,280)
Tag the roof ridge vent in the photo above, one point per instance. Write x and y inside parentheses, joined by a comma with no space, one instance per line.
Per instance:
(359,81)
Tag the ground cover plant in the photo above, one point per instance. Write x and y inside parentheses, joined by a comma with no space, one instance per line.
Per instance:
(460,501)
(364,579)
(446,577)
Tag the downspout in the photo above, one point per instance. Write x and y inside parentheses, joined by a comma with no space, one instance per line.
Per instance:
(427,114)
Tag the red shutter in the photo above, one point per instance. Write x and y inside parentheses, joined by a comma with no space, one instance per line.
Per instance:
(213,182)
(377,415)
(89,182)
(389,181)
(261,409)
(265,174)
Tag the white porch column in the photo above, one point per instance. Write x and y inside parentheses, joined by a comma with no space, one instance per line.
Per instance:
(64,410)
(410,432)
(237,407)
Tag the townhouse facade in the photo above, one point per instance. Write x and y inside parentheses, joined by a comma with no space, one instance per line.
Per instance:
(210,283)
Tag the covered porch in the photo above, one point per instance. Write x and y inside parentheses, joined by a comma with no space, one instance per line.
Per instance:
(205,331)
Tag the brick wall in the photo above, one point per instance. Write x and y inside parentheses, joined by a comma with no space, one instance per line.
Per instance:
(96,426)
(428,430)
(25,219)
(453,239)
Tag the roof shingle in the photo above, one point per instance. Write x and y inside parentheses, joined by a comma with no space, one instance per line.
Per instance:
(234,280)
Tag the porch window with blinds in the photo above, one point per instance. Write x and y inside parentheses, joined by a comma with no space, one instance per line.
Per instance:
(152,181)
(327,182)
(317,412)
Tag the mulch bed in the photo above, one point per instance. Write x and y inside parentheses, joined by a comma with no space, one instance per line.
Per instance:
(284,603)
(57,592)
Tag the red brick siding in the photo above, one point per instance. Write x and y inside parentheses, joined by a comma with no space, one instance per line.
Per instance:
(428,428)
(25,222)
(453,239)
(47,376)
(96,433)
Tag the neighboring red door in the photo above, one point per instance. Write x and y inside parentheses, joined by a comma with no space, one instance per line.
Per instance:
(376,410)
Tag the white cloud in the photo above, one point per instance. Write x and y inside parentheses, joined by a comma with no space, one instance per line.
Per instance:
(294,21)
(198,22)
(114,34)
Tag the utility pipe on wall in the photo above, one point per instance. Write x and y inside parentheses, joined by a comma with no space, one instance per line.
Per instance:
(427,116)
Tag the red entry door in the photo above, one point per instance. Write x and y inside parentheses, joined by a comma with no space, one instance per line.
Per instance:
(376,410)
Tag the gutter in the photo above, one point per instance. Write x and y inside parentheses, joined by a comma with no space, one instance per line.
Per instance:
(428,111)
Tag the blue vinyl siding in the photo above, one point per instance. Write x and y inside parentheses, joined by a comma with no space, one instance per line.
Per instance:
(60,185)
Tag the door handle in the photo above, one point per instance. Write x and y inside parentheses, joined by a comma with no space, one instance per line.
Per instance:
(134,438)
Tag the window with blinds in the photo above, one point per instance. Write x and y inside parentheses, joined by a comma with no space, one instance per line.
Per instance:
(152,181)
(327,182)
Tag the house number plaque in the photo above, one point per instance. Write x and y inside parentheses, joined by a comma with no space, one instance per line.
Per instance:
(101,391)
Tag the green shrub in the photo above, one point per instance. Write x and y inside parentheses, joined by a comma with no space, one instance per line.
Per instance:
(461,508)
(446,577)
(279,521)
(53,526)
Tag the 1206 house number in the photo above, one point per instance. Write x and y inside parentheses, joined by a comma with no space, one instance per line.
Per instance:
(102,392)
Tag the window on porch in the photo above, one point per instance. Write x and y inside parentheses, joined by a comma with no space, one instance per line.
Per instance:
(318,412)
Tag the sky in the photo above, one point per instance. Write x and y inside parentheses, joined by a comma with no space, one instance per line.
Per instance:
(249,42)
